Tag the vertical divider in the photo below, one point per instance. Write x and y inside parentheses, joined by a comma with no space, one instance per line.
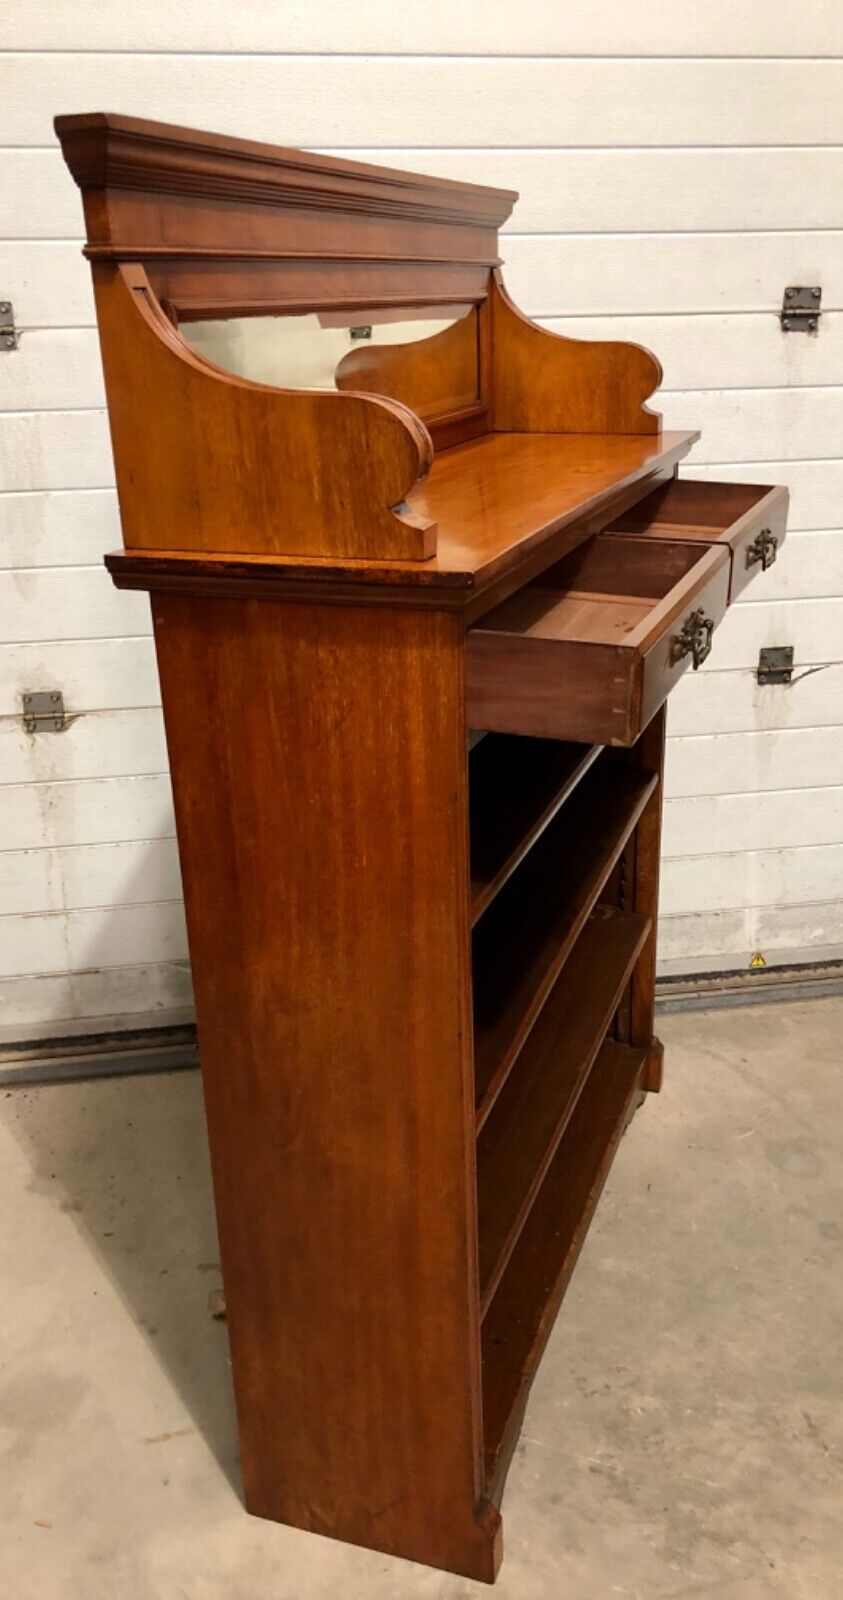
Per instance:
(645,853)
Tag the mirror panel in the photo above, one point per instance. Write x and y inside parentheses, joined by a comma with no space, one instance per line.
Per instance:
(428,360)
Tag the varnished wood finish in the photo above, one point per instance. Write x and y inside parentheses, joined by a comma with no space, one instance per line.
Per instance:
(524,939)
(229,226)
(521,1315)
(588,649)
(497,498)
(504,506)
(120,156)
(731,514)
(433,376)
(643,889)
(516,787)
(329,949)
(417,970)
(547,383)
(519,1138)
(208,461)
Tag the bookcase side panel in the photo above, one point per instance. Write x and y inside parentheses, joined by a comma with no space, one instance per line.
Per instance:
(319,768)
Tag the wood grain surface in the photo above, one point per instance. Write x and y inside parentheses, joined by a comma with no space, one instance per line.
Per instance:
(322,829)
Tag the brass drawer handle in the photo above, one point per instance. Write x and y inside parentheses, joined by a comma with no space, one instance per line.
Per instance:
(694,639)
(763,549)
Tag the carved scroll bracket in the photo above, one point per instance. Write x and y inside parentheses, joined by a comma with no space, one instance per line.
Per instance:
(210,461)
(547,383)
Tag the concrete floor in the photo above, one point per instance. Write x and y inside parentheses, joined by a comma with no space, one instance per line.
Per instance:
(684,1437)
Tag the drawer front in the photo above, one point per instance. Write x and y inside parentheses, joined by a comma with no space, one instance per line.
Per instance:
(749,519)
(756,546)
(567,665)
(684,641)
(550,690)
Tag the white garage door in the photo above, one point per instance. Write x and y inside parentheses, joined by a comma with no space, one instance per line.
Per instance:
(679,166)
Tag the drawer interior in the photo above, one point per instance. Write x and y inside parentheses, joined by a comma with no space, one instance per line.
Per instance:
(682,507)
(601,593)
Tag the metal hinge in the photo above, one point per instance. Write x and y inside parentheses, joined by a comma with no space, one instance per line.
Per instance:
(8,331)
(800,311)
(775,664)
(43,712)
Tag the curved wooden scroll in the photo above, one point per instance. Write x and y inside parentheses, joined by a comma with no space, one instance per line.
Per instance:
(435,376)
(206,460)
(546,383)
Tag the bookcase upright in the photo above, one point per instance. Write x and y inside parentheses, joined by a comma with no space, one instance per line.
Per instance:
(416,630)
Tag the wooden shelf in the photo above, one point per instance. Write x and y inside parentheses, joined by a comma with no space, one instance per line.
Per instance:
(516,786)
(520,1137)
(526,935)
(522,1312)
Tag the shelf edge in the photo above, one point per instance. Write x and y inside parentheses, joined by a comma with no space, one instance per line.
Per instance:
(481,901)
(497,1462)
(499,1077)
(487,1291)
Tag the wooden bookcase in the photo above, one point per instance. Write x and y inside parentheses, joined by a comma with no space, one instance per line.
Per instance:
(416,630)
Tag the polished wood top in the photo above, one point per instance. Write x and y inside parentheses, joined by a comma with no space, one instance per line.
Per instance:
(495,497)
(498,502)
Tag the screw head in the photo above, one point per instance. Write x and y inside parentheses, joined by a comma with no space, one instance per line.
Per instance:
(816,293)
(5,305)
(812,324)
(9,341)
(786,323)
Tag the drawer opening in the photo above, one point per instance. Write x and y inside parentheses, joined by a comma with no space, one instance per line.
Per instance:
(683,505)
(748,519)
(589,649)
(602,592)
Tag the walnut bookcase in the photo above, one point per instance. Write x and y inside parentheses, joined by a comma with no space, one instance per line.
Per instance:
(423,962)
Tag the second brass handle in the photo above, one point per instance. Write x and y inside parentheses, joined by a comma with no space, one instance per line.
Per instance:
(763,548)
(693,639)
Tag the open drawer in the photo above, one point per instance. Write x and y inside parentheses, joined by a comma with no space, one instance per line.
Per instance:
(747,518)
(591,648)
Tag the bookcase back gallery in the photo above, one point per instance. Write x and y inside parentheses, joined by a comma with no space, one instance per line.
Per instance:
(381,513)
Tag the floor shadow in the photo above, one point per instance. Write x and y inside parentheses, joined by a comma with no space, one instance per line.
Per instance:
(127,1159)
